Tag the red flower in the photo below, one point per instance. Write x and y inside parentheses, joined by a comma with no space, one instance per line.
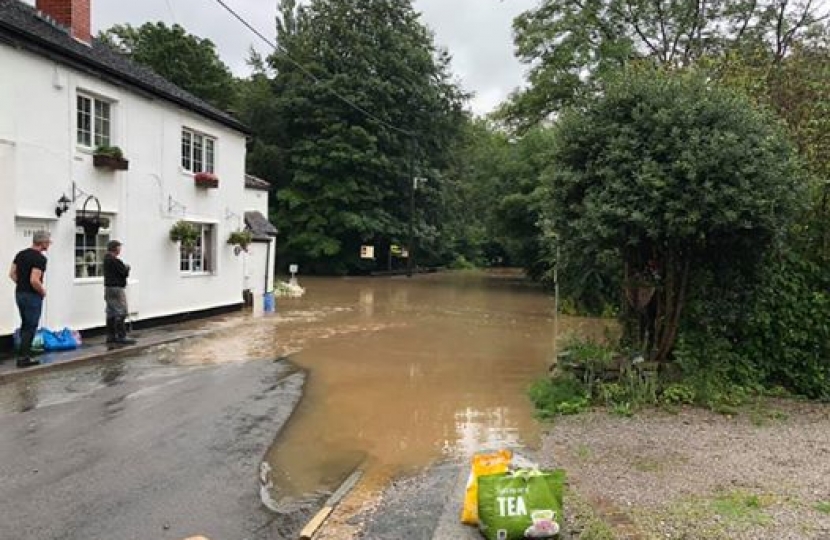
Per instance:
(206,179)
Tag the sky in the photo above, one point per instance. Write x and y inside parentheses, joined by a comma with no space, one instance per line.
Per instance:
(477,34)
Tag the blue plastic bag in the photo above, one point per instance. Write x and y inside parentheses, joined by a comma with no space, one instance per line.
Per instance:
(60,340)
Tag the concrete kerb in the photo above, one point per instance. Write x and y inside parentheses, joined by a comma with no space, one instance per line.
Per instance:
(95,354)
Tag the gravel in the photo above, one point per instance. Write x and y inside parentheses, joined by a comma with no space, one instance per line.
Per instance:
(697,474)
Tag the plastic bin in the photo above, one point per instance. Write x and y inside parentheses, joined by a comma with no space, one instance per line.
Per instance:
(269,303)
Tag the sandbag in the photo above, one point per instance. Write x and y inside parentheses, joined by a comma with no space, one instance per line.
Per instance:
(482,464)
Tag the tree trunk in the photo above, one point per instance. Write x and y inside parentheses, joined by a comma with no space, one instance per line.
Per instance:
(676,285)
(641,302)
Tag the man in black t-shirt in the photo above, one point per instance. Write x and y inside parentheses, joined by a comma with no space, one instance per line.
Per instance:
(27,272)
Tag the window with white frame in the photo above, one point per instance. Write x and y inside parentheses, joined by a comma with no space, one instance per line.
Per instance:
(199,259)
(89,252)
(94,121)
(198,151)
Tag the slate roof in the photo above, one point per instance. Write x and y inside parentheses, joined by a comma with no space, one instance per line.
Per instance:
(259,225)
(252,182)
(23,26)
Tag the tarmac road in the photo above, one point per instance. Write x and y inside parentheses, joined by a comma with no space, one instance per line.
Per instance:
(132,449)
(423,507)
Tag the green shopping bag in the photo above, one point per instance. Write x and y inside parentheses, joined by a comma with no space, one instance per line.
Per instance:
(522,504)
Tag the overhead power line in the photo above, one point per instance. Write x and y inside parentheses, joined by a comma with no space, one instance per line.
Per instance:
(277,48)
(172,13)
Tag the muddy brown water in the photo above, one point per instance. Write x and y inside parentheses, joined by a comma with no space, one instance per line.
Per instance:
(402,372)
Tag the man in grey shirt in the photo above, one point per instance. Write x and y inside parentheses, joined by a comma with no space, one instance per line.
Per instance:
(115,283)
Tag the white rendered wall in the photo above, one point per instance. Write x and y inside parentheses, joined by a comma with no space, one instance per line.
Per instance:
(261,258)
(39,161)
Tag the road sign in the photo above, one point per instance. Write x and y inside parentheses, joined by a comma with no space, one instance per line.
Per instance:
(396,249)
(367,252)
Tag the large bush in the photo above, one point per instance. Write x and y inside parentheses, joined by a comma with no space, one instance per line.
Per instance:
(666,173)
(787,335)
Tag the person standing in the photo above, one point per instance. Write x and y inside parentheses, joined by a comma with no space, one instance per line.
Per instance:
(27,271)
(115,295)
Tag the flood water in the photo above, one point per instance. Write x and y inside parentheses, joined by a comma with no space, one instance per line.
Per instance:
(404,372)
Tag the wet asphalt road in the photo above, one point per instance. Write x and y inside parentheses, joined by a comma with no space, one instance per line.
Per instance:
(423,507)
(142,451)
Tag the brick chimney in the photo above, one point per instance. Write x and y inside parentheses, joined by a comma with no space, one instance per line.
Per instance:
(73,14)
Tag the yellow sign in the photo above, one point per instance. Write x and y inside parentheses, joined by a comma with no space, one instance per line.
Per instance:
(396,249)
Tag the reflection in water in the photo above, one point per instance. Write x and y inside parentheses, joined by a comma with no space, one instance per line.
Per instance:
(53,388)
(477,430)
(112,373)
(367,302)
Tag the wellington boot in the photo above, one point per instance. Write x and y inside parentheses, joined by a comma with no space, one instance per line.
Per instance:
(112,332)
(25,361)
(121,333)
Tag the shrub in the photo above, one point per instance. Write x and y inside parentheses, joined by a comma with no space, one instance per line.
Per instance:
(773,335)
(662,172)
(678,394)
(112,151)
(588,357)
(612,393)
(788,336)
(553,397)
(461,263)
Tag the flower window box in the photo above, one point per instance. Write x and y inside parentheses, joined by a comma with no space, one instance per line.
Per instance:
(206,180)
(109,157)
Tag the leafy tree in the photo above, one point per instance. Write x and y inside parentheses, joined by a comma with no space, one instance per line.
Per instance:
(188,61)
(772,331)
(798,89)
(519,211)
(572,45)
(495,211)
(670,176)
(472,187)
(344,168)
(257,108)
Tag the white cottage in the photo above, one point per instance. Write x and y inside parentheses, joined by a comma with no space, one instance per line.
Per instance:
(63,95)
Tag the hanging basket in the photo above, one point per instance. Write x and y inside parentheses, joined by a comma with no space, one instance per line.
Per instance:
(240,240)
(186,234)
(91,222)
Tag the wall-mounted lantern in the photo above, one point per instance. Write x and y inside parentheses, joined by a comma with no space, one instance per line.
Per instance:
(63,205)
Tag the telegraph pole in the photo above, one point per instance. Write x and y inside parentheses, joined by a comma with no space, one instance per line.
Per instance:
(410,252)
